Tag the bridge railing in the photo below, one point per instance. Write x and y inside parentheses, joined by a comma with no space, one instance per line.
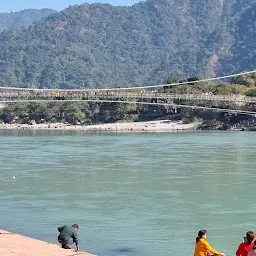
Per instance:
(80,95)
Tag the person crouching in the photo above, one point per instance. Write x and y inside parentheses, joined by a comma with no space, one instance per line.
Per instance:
(68,236)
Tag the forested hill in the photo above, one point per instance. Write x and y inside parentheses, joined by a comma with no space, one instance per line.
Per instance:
(100,45)
(23,18)
(243,51)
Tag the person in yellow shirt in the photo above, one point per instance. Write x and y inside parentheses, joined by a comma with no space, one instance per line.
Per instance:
(202,247)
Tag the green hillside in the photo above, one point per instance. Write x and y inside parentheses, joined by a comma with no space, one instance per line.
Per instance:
(100,45)
(243,51)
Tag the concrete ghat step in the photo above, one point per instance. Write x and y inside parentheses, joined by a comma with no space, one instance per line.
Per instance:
(12,244)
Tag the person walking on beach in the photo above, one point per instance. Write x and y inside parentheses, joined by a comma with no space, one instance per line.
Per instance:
(68,236)
(202,247)
(247,245)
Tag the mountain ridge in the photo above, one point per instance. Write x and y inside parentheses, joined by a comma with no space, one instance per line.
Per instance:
(23,18)
(100,45)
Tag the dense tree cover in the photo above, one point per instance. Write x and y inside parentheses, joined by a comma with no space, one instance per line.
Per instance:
(240,85)
(23,18)
(248,80)
(99,45)
(73,113)
(242,53)
(243,85)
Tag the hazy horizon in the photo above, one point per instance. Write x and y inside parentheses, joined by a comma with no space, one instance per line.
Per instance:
(17,5)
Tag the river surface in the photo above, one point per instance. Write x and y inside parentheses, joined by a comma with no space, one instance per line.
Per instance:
(131,194)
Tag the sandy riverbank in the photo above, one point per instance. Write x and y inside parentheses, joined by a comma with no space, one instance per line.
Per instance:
(150,126)
(16,245)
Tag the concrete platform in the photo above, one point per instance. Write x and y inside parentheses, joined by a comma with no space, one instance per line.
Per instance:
(12,244)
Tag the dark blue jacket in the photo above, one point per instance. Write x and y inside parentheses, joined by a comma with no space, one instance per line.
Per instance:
(67,232)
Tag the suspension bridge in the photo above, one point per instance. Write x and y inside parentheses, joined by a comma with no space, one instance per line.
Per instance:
(136,95)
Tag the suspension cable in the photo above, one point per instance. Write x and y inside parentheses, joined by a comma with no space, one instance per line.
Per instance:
(135,87)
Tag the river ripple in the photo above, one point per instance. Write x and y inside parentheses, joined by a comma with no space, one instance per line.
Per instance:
(131,194)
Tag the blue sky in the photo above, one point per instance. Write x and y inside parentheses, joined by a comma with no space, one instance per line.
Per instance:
(18,5)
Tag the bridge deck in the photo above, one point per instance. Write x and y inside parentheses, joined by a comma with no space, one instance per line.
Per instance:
(14,95)
(206,101)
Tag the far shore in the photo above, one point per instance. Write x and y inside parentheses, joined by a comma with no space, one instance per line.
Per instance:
(149,126)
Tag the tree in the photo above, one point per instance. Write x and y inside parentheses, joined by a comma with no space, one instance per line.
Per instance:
(248,80)
(73,113)
(251,92)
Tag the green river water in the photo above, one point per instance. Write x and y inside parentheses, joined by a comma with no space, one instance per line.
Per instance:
(131,194)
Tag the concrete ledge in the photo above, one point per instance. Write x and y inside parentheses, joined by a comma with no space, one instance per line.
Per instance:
(12,244)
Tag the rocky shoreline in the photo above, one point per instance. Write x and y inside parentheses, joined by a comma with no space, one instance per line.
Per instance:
(149,126)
